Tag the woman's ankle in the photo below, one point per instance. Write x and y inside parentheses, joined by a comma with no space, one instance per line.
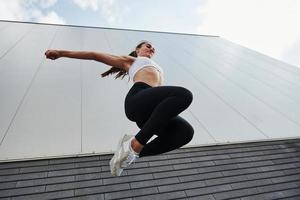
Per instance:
(136,145)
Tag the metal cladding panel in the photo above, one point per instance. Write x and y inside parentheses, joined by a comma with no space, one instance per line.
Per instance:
(245,95)
(64,107)
(3,25)
(261,68)
(103,117)
(219,118)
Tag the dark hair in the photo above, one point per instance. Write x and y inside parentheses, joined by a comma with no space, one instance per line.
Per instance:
(122,72)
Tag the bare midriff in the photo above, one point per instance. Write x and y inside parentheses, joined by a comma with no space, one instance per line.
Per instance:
(149,75)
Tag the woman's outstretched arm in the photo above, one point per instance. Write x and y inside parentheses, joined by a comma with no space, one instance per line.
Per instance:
(116,61)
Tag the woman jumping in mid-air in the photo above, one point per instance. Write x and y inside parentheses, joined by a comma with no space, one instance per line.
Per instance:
(154,108)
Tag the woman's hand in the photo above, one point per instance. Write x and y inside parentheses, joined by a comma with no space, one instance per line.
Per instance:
(52,54)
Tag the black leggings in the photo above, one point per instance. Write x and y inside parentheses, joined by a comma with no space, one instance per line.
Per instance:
(155,110)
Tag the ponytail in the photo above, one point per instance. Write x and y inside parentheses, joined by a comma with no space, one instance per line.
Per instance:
(113,70)
(122,72)
(133,54)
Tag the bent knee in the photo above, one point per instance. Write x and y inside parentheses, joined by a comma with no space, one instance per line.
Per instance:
(189,134)
(186,96)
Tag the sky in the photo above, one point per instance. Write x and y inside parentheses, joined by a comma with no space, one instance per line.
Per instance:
(270,27)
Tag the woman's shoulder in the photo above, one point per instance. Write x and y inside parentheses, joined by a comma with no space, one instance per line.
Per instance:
(129,60)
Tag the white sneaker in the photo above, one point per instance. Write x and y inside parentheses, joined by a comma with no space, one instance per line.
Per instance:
(123,156)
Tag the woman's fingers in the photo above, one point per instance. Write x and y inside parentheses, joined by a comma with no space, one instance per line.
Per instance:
(47,53)
(51,54)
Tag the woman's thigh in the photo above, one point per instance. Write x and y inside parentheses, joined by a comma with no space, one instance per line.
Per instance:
(141,105)
(176,125)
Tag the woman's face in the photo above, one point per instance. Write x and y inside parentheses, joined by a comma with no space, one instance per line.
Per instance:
(146,50)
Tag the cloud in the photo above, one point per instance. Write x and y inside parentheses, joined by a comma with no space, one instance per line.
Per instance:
(90,4)
(268,26)
(110,10)
(13,10)
(47,3)
(49,17)
(30,10)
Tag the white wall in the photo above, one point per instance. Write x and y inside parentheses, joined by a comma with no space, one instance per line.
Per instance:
(63,107)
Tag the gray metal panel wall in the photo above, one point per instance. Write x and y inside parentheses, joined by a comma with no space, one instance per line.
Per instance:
(64,107)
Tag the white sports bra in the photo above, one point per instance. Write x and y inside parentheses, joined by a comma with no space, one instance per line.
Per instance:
(141,62)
